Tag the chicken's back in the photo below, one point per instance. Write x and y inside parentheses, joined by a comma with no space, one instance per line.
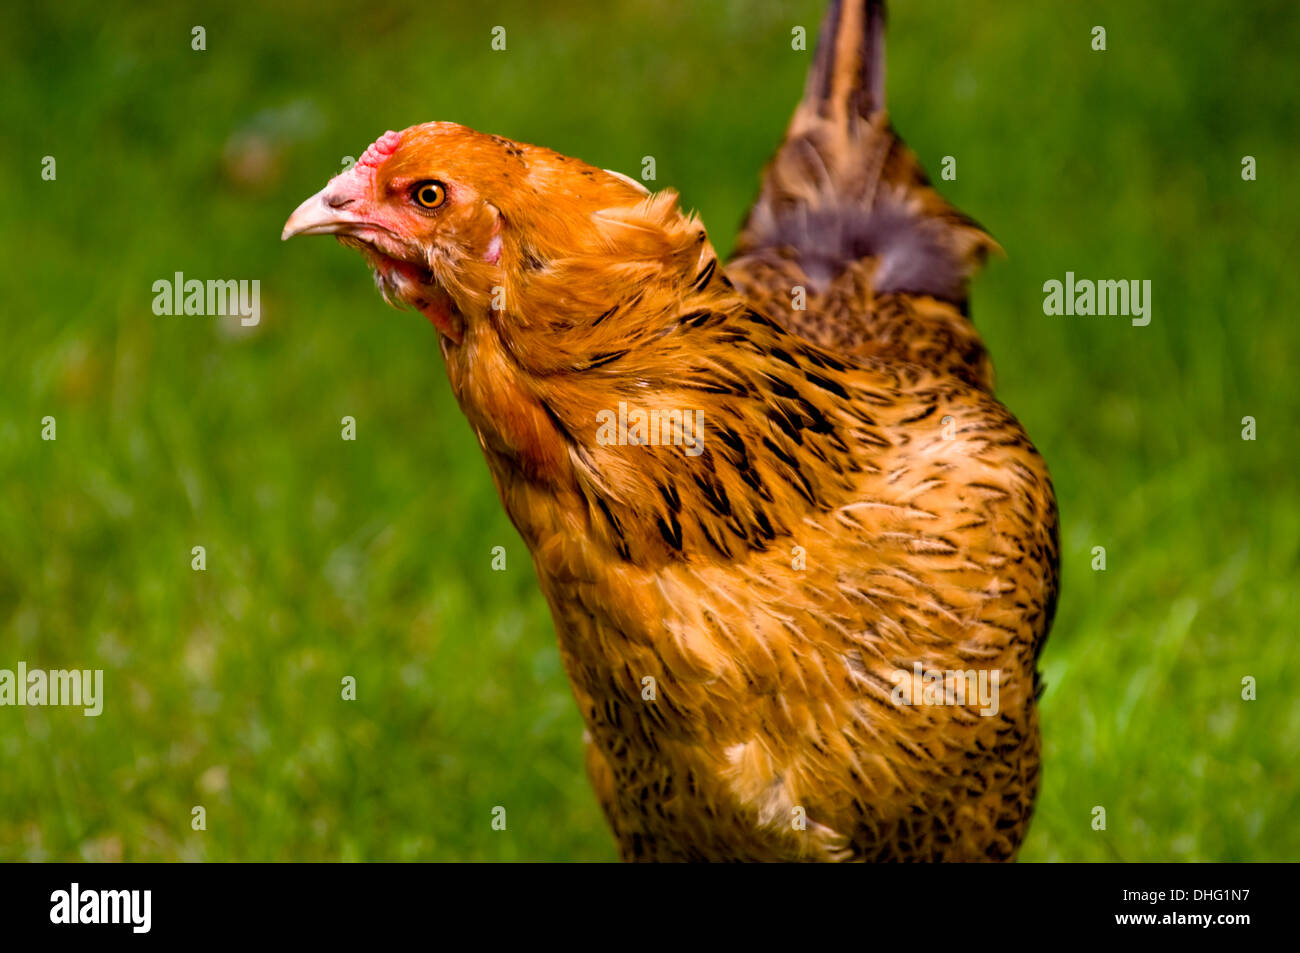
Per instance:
(848,245)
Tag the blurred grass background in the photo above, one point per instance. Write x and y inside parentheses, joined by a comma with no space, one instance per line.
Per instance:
(372,559)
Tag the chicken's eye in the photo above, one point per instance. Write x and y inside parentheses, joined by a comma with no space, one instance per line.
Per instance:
(429,194)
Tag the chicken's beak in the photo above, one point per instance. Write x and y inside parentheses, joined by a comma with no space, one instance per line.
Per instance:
(328,212)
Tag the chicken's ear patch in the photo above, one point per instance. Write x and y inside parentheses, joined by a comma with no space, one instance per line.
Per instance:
(493,253)
(380,149)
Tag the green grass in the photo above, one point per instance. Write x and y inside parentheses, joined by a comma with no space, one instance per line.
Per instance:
(373,558)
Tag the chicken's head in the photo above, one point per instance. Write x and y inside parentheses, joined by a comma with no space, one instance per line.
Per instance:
(438,209)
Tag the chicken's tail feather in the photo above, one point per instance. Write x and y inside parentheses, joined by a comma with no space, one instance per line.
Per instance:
(848,71)
(843,188)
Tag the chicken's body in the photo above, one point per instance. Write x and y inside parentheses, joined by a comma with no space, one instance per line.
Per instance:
(734,622)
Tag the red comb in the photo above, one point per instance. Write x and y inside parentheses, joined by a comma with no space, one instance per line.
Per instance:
(380,149)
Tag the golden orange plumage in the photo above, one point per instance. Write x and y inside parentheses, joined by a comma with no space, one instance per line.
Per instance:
(738,616)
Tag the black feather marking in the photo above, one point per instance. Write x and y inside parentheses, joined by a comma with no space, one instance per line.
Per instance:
(817,421)
(921,416)
(826,384)
(733,441)
(784,357)
(781,387)
(738,530)
(755,483)
(714,494)
(782,454)
(712,385)
(789,426)
(702,279)
(559,424)
(695,319)
(718,543)
(620,540)
(760,319)
(823,360)
(599,360)
(671,531)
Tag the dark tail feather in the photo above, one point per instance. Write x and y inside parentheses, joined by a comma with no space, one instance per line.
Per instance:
(843,188)
(847,76)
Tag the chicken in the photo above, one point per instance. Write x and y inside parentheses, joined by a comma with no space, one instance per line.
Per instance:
(801,562)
